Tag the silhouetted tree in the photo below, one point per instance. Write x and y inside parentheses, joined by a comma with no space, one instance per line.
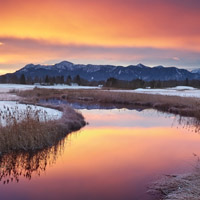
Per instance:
(53,80)
(29,80)
(158,84)
(22,79)
(3,79)
(111,82)
(77,79)
(46,79)
(69,80)
(62,79)
(152,84)
(36,79)
(14,79)
(186,82)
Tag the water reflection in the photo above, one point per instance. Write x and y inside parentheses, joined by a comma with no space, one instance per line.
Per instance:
(90,105)
(116,156)
(14,166)
(189,123)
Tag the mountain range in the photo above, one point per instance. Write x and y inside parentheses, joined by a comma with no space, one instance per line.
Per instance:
(103,72)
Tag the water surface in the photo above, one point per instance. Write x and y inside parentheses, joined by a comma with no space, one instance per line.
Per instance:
(115,157)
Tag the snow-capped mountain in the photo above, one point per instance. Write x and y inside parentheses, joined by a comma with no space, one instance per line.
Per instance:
(103,72)
(196,71)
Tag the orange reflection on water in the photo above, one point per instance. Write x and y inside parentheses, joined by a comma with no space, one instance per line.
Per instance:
(142,148)
(115,161)
(116,157)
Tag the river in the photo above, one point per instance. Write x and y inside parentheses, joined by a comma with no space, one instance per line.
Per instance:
(117,156)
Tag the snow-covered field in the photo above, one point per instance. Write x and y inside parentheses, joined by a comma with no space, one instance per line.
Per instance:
(20,110)
(182,91)
(8,87)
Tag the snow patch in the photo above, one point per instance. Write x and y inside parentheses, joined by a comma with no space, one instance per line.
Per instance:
(4,88)
(196,71)
(182,88)
(46,113)
(182,91)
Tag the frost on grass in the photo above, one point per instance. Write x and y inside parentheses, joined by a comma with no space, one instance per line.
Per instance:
(182,91)
(180,187)
(12,112)
(4,88)
(31,129)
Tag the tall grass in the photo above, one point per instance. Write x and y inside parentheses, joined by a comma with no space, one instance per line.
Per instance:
(30,130)
(183,106)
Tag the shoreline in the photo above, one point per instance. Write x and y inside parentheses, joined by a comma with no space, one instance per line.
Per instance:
(180,186)
(183,106)
(30,129)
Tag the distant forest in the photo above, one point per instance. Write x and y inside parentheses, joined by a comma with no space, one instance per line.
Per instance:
(110,82)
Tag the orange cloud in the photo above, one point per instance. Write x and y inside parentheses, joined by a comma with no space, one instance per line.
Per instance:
(130,23)
(172,24)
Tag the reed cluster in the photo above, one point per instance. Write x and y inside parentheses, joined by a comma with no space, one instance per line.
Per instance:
(184,106)
(31,129)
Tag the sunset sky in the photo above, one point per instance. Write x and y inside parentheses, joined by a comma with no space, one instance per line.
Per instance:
(121,32)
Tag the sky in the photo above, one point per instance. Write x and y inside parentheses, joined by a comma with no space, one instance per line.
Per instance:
(120,32)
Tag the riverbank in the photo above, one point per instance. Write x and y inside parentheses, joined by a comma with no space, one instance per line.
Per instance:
(184,106)
(32,129)
(180,187)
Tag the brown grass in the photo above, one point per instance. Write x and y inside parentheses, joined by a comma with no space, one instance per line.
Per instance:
(183,106)
(30,133)
(181,187)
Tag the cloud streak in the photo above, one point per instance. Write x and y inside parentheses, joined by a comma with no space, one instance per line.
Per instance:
(19,52)
(155,23)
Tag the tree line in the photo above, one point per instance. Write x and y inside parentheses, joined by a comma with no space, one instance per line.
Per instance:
(110,82)
(47,80)
(138,83)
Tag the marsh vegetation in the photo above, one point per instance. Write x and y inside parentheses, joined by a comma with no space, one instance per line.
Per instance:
(178,186)
(183,106)
(32,129)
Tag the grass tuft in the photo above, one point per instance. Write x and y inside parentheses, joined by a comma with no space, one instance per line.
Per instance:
(181,187)
(31,130)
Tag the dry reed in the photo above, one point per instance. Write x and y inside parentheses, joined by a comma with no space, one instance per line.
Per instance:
(180,187)
(183,106)
(31,130)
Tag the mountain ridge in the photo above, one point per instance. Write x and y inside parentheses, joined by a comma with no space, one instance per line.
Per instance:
(196,71)
(103,72)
